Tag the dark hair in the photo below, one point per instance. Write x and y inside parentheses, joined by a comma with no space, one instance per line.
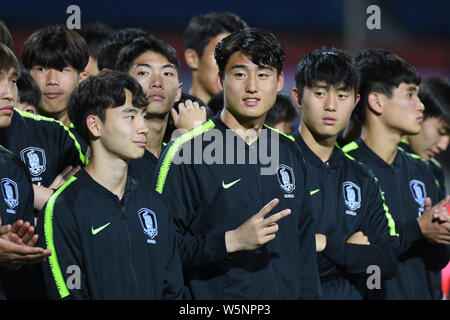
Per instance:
(29,91)
(5,36)
(55,47)
(216,103)
(8,60)
(381,71)
(141,45)
(259,45)
(100,92)
(95,35)
(184,96)
(332,66)
(284,109)
(109,51)
(435,95)
(201,29)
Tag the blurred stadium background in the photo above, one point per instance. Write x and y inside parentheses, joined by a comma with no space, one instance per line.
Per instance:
(417,30)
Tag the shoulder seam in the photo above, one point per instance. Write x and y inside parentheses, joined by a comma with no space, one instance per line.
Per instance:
(281,133)
(84,159)
(173,149)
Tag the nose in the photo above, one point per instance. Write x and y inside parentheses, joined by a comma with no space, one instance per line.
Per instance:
(8,91)
(420,105)
(156,80)
(142,127)
(443,142)
(251,85)
(330,102)
(52,77)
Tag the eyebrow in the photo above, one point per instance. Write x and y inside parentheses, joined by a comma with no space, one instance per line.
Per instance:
(260,67)
(130,110)
(170,65)
(412,88)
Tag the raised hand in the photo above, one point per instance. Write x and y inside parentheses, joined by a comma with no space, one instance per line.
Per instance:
(256,231)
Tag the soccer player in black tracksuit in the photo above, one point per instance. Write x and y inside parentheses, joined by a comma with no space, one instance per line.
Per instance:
(155,65)
(433,138)
(351,218)
(111,235)
(217,176)
(16,206)
(390,108)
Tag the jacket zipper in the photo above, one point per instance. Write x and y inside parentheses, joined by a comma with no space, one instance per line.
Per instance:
(133,273)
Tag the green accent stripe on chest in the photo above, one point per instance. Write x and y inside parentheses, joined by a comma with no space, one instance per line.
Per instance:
(49,241)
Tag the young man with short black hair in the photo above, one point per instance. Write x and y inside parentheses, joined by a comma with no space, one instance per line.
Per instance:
(115,229)
(16,206)
(355,229)
(229,246)
(55,57)
(388,109)
(155,65)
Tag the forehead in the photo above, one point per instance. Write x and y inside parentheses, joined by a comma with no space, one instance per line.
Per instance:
(151,58)
(239,59)
(407,87)
(339,86)
(8,73)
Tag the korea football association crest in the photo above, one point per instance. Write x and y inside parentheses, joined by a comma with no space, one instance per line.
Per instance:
(286,178)
(419,193)
(35,160)
(10,193)
(352,197)
(149,223)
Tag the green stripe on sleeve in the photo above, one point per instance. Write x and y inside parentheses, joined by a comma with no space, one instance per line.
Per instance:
(175,147)
(84,159)
(48,232)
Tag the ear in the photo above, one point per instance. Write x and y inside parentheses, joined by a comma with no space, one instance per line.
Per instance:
(374,101)
(94,125)
(192,59)
(296,96)
(219,82)
(357,98)
(178,97)
(83,76)
(280,82)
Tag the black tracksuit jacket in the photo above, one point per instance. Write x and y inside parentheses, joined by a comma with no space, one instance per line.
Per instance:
(406,183)
(16,203)
(45,145)
(124,249)
(209,195)
(435,275)
(346,198)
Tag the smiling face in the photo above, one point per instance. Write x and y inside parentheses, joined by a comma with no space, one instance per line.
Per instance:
(403,112)
(8,95)
(56,87)
(249,89)
(325,109)
(123,133)
(159,80)
(433,138)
